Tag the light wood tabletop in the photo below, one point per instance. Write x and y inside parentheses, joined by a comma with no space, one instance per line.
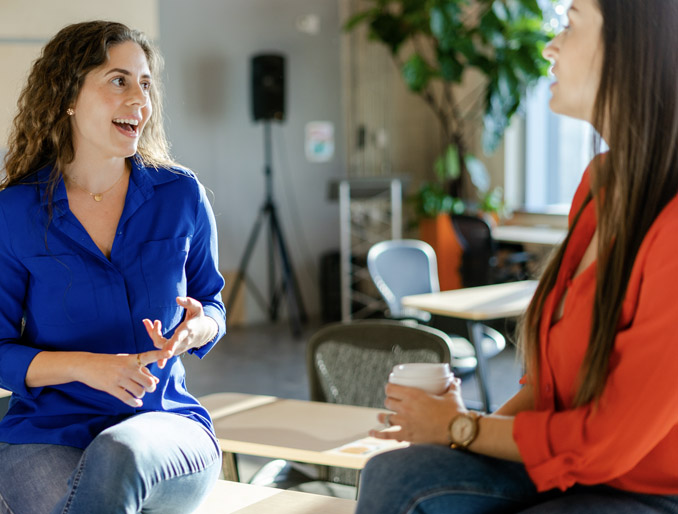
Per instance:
(535,235)
(233,497)
(312,432)
(477,303)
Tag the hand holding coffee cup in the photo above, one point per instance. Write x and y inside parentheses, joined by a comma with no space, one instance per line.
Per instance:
(434,378)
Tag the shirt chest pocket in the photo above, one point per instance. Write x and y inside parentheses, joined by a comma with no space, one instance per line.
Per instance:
(163,264)
(60,290)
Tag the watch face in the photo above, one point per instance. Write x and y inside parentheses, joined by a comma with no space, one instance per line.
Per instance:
(462,429)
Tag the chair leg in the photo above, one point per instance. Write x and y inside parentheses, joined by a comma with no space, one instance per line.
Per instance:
(475,331)
(229,466)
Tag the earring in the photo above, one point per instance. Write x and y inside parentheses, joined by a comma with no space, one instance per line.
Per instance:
(70,111)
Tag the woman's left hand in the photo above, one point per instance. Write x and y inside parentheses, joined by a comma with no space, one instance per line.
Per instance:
(421,417)
(196,330)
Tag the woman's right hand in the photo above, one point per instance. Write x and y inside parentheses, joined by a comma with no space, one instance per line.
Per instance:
(123,376)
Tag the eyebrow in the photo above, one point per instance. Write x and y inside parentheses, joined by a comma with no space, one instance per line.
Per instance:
(124,72)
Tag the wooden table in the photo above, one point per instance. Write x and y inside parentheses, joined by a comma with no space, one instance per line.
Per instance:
(475,305)
(534,235)
(233,497)
(311,432)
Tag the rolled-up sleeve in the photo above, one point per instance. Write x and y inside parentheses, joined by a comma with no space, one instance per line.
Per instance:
(638,409)
(204,282)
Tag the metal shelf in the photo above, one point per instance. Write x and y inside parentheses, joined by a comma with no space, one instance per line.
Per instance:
(370,211)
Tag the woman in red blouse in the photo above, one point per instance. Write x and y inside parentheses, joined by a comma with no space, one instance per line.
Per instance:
(595,427)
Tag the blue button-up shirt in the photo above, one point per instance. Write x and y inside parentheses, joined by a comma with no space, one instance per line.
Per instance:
(72,298)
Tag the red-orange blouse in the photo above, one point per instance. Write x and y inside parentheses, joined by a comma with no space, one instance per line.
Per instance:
(630,440)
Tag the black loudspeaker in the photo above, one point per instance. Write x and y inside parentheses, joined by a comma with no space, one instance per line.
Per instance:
(268,87)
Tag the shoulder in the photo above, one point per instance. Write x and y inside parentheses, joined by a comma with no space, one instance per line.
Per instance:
(176,177)
(665,226)
(19,196)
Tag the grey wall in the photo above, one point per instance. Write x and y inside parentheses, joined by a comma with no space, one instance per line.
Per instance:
(207,45)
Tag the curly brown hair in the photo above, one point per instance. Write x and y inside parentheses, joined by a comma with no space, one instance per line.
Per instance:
(41,133)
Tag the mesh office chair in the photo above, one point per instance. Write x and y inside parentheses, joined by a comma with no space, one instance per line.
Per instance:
(406,267)
(349,363)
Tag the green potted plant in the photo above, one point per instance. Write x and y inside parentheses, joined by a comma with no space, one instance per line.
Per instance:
(435,44)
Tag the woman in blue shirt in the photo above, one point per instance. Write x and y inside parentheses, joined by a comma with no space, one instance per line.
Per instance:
(109,272)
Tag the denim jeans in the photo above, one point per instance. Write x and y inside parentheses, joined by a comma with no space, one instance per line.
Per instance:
(426,479)
(151,463)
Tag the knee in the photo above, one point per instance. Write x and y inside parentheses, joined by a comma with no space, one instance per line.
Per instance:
(392,469)
(114,457)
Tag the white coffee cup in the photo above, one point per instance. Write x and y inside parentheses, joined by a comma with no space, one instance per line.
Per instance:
(431,377)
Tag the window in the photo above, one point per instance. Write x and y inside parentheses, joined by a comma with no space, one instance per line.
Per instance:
(556,148)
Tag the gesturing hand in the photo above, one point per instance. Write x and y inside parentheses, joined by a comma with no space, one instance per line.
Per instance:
(123,376)
(194,331)
(421,417)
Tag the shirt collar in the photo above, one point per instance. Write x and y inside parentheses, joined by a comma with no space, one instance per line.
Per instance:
(143,180)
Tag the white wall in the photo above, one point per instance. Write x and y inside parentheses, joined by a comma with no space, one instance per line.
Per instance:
(207,45)
(25,26)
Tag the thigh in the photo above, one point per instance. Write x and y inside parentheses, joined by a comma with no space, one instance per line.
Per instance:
(33,477)
(143,462)
(435,479)
(603,500)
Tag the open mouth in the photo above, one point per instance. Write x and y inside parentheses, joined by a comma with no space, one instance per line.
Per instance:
(130,126)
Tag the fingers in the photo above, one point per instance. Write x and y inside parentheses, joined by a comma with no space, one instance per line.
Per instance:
(166,346)
(387,434)
(387,418)
(154,330)
(126,397)
(193,307)
(399,392)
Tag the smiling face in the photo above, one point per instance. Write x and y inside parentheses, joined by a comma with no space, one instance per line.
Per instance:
(577,57)
(113,105)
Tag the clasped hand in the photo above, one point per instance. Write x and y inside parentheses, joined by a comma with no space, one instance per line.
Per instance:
(420,417)
(126,377)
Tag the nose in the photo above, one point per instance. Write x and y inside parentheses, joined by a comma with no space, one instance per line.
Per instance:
(551,49)
(137,95)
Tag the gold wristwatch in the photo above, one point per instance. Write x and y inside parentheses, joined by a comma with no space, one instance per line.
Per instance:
(464,429)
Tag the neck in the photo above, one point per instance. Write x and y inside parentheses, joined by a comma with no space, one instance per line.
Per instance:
(96,176)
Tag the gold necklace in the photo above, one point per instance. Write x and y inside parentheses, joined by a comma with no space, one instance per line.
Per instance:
(96,196)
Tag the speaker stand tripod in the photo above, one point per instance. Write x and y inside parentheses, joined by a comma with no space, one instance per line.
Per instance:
(276,244)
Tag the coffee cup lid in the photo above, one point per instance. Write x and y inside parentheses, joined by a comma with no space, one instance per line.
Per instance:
(422,369)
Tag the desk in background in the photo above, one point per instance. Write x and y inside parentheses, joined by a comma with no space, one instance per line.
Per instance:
(543,236)
(475,305)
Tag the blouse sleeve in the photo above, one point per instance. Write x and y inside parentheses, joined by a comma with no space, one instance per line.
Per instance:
(14,357)
(597,443)
(202,270)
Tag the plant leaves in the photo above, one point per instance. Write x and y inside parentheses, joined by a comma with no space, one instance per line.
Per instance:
(478,173)
(417,73)
(447,165)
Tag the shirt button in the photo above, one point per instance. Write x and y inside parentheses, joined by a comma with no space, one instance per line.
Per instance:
(547,388)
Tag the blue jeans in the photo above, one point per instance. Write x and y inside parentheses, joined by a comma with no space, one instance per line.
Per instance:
(427,479)
(152,463)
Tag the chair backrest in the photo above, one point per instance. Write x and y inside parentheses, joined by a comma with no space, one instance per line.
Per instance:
(402,267)
(475,237)
(349,363)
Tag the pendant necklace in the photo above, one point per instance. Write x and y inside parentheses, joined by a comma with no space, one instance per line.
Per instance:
(96,196)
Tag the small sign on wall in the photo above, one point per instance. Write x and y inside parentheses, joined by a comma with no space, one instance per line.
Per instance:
(319,141)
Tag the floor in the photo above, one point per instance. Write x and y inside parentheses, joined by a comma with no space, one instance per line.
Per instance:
(268,359)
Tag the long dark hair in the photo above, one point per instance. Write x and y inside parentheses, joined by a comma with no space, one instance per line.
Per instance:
(637,104)
(41,133)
